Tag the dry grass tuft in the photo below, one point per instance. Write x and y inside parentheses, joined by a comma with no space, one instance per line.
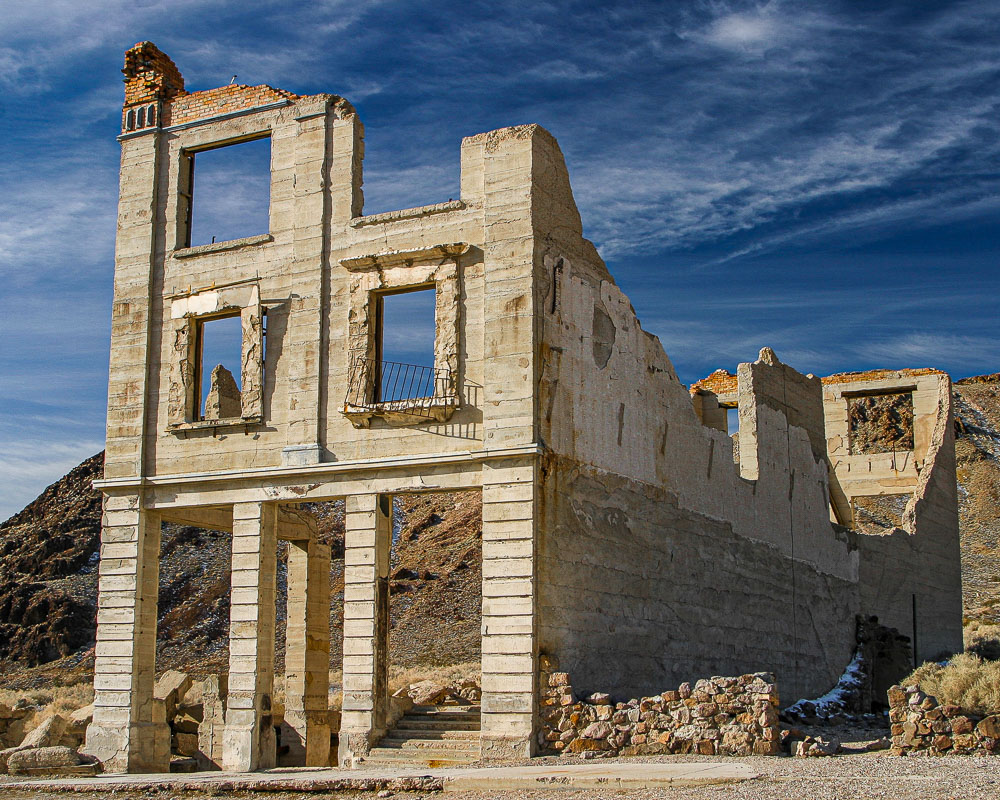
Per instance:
(967,681)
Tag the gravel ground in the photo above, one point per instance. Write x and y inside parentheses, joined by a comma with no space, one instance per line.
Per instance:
(857,776)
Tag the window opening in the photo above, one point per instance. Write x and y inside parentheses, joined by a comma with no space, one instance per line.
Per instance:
(220,359)
(233,195)
(405,344)
(880,423)
(879,514)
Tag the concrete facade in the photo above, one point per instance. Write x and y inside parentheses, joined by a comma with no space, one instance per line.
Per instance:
(618,533)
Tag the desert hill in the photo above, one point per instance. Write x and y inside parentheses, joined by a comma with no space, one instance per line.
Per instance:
(48,576)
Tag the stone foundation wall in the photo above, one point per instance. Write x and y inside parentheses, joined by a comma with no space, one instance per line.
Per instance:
(717,716)
(921,724)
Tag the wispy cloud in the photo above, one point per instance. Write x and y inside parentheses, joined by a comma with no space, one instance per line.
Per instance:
(712,142)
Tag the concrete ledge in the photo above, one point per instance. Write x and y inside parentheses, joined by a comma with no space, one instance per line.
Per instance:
(635,775)
(407,213)
(218,247)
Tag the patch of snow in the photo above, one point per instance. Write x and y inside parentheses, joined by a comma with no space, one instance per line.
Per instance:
(837,699)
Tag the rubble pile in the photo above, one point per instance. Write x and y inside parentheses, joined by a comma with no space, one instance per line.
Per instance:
(716,716)
(921,724)
(49,748)
(431,693)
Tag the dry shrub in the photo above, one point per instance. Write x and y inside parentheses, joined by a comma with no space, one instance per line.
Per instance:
(967,681)
(983,640)
(56,700)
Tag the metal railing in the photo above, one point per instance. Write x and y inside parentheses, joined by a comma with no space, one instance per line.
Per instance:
(391,386)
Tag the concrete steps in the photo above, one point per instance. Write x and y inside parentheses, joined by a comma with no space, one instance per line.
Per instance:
(438,736)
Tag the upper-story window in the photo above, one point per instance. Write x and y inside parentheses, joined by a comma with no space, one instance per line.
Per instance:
(216,356)
(403,336)
(880,422)
(405,345)
(225,192)
(219,361)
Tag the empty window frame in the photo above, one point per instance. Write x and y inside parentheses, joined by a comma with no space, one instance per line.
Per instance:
(225,192)
(880,422)
(404,344)
(879,514)
(219,364)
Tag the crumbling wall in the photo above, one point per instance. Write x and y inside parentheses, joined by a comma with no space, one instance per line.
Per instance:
(910,573)
(658,561)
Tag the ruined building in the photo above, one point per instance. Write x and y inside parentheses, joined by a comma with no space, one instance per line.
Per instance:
(623,532)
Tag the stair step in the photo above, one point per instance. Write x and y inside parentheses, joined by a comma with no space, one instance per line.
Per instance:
(434,736)
(430,758)
(392,742)
(437,712)
(434,725)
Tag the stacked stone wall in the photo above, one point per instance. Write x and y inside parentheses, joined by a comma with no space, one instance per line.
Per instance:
(716,716)
(920,724)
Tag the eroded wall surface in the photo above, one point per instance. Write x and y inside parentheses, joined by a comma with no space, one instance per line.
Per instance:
(660,559)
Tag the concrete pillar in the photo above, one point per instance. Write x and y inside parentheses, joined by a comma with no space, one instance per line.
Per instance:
(367,538)
(249,741)
(307,655)
(509,702)
(125,733)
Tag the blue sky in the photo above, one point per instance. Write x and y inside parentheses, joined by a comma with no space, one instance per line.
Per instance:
(820,177)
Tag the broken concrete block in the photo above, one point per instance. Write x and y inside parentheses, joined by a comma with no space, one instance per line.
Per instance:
(47,734)
(170,689)
(81,718)
(187,744)
(39,758)
(224,400)
(427,693)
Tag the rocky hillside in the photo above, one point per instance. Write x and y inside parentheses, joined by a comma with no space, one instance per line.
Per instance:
(977,449)
(48,580)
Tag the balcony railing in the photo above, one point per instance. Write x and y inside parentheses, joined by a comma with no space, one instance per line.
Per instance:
(403,388)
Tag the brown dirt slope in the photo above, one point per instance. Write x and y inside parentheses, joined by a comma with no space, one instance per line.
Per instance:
(977,449)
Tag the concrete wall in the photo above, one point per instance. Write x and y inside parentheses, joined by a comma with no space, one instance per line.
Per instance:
(638,593)
(910,577)
(658,560)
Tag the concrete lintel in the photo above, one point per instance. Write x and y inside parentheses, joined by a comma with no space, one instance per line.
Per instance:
(320,471)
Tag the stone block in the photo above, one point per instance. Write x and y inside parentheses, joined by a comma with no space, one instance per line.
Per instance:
(47,734)
(37,759)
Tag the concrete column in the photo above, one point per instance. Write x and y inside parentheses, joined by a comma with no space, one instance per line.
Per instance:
(249,741)
(509,702)
(367,539)
(125,734)
(307,655)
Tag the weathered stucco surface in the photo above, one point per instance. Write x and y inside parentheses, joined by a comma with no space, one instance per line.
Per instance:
(619,533)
